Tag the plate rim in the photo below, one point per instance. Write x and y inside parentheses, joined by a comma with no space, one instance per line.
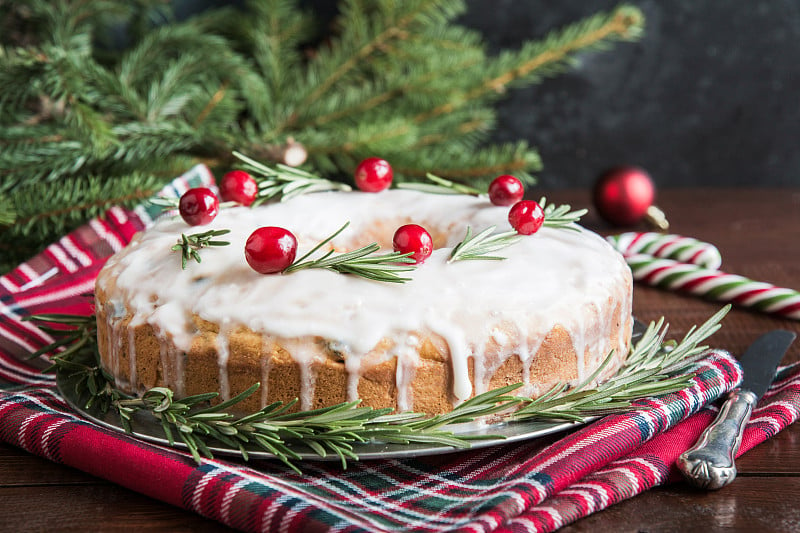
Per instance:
(146,428)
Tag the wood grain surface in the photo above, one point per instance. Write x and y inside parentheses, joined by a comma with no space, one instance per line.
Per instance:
(758,234)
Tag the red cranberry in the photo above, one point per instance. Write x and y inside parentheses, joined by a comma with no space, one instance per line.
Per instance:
(270,249)
(198,206)
(413,239)
(373,175)
(526,217)
(506,190)
(238,186)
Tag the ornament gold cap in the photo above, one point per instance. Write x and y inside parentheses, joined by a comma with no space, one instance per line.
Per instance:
(656,218)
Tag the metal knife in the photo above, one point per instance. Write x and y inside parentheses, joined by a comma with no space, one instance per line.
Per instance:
(709,464)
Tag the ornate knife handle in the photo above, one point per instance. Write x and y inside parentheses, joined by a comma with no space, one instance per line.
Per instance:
(709,464)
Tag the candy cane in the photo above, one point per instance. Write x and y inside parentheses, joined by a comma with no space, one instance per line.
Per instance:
(684,249)
(715,285)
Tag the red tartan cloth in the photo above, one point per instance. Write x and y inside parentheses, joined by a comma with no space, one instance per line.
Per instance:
(538,485)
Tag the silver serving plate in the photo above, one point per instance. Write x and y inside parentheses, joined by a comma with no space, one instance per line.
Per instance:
(147,428)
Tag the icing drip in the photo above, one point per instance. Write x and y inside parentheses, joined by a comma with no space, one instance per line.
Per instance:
(267,347)
(407,363)
(112,347)
(459,353)
(132,355)
(164,349)
(306,354)
(352,364)
(223,353)
(180,372)
(115,312)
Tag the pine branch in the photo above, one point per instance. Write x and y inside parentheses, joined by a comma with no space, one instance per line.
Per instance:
(477,168)
(549,56)
(39,214)
(8,214)
(183,92)
(337,66)
(418,79)
(440,186)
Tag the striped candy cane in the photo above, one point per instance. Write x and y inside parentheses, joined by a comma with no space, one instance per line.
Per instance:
(677,247)
(714,284)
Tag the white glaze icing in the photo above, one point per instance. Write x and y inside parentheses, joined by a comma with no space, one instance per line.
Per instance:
(547,279)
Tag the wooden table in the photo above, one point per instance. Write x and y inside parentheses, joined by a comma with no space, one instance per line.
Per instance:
(758,233)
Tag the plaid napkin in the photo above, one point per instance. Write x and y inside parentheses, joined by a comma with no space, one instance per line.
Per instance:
(537,485)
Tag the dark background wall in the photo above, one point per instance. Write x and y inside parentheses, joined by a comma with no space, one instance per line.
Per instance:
(709,96)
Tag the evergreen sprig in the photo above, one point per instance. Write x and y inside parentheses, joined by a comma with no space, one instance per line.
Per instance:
(361,262)
(190,245)
(397,79)
(38,215)
(652,367)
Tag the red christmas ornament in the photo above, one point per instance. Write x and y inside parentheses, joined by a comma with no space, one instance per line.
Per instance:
(198,206)
(238,186)
(506,190)
(413,239)
(373,175)
(526,217)
(270,249)
(624,196)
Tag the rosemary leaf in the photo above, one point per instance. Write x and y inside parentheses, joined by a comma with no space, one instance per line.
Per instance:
(482,244)
(560,216)
(189,245)
(440,186)
(165,202)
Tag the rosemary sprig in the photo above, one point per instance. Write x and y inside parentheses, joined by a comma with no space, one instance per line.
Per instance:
(74,355)
(76,333)
(560,216)
(481,245)
(440,186)
(652,367)
(484,243)
(190,245)
(329,430)
(284,181)
(361,262)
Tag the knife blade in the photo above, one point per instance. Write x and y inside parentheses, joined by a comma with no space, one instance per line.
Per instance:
(710,463)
